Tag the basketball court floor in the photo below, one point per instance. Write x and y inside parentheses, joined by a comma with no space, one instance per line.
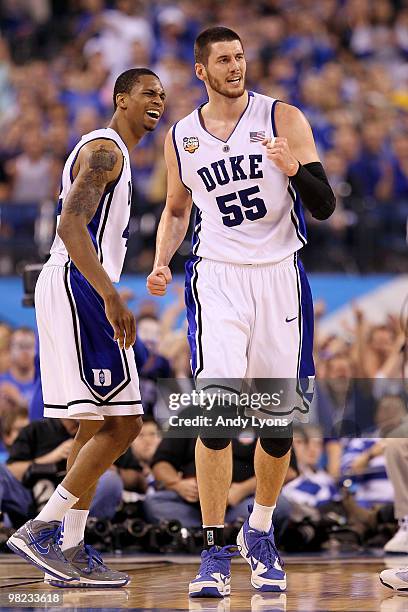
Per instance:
(315,584)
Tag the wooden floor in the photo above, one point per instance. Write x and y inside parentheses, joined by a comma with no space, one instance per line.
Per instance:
(314,585)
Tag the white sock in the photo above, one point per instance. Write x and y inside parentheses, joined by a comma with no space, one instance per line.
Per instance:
(57,506)
(73,528)
(261,517)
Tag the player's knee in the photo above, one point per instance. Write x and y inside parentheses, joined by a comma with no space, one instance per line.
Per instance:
(276,447)
(215,443)
(123,429)
(87,429)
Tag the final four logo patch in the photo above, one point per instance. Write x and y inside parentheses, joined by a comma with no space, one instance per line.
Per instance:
(191,144)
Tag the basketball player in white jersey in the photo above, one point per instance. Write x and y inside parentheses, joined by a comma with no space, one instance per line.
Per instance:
(86,333)
(243,159)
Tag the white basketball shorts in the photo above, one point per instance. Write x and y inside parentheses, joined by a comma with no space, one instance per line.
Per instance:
(252,323)
(84,373)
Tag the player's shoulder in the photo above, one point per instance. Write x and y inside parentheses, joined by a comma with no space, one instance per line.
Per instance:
(287,111)
(98,148)
(99,140)
(184,121)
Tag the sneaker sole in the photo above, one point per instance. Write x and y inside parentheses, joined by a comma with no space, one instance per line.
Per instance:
(18,546)
(260,584)
(209,590)
(401,591)
(63,584)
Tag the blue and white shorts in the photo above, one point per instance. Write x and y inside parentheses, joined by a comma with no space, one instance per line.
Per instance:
(84,373)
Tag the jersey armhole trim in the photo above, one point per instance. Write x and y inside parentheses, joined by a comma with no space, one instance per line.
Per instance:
(274,130)
(173,133)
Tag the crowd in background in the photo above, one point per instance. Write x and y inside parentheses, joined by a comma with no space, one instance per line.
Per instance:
(343,62)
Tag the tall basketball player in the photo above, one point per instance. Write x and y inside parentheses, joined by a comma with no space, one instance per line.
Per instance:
(243,159)
(86,333)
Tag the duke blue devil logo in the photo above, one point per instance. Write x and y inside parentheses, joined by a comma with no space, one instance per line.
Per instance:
(102,378)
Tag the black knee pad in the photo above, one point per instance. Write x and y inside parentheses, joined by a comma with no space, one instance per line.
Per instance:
(276,447)
(215,443)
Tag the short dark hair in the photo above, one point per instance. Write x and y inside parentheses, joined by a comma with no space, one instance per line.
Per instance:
(209,36)
(9,417)
(126,81)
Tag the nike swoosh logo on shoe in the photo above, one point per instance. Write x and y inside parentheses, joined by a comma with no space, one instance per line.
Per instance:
(41,549)
(254,564)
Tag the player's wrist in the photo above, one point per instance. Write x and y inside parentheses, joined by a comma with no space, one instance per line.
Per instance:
(293,168)
(110,296)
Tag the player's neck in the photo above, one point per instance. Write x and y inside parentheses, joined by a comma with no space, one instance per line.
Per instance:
(225,109)
(122,128)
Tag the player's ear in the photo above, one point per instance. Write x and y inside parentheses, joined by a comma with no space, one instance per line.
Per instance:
(200,71)
(121,100)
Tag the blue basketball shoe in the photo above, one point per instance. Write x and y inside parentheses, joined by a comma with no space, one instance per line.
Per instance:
(39,543)
(259,550)
(214,576)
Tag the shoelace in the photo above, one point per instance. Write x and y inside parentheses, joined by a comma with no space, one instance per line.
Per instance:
(94,558)
(210,558)
(266,547)
(50,534)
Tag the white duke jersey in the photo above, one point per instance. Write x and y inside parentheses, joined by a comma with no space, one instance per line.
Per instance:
(109,227)
(247,210)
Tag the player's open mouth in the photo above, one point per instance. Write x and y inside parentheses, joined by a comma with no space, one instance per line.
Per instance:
(235,81)
(154,114)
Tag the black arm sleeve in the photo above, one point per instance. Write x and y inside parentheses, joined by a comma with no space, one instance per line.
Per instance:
(314,190)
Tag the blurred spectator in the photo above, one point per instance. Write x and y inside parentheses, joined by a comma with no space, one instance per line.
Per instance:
(5,337)
(363,458)
(156,366)
(145,445)
(12,422)
(343,404)
(313,486)
(31,172)
(20,373)
(134,465)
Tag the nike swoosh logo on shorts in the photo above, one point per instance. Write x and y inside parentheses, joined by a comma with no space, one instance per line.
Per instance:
(289,320)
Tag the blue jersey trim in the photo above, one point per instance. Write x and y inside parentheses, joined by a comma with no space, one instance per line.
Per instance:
(274,130)
(305,363)
(196,233)
(250,95)
(194,318)
(296,215)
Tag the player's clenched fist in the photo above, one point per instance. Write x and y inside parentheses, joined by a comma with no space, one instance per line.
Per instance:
(158,280)
(277,150)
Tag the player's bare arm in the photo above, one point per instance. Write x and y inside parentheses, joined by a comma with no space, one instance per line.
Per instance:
(99,164)
(173,223)
(294,152)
